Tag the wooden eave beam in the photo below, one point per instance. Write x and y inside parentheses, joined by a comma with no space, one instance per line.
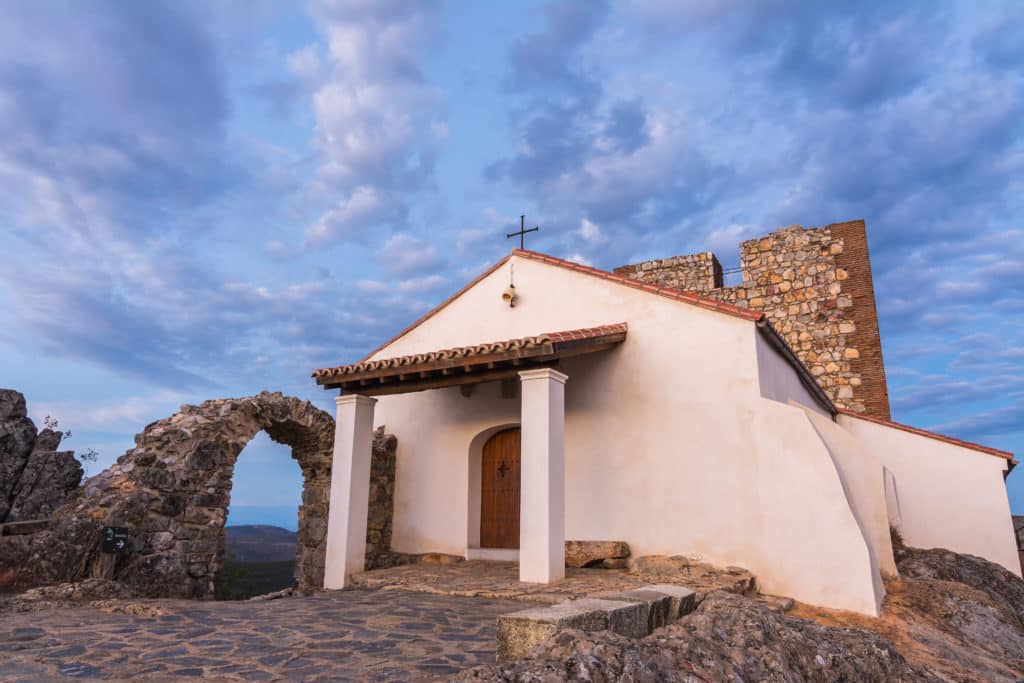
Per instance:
(466,369)
(440,364)
(443,381)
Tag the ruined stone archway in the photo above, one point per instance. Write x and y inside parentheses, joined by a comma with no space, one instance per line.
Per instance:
(172,492)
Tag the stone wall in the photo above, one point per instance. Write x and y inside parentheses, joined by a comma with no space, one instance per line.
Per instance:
(35,478)
(382,499)
(700,273)
(172,492)
(815,287)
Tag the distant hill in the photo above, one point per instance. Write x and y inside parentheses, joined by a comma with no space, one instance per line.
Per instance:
(260,543)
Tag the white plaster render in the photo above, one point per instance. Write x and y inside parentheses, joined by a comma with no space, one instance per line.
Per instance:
(805,539)
(863,480)
(676,441)
(350,489)
(949,496)
(892,501)
(542,492)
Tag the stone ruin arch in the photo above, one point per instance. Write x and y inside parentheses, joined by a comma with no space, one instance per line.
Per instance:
(173,490)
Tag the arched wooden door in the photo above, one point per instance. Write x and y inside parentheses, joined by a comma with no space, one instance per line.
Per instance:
(499,491)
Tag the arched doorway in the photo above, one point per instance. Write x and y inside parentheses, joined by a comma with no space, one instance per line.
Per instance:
(500,490)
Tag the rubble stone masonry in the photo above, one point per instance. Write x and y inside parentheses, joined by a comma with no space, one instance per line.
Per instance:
(815,287)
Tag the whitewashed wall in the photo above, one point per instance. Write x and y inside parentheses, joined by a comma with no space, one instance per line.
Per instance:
(949,496)
(863,479)
(670,445)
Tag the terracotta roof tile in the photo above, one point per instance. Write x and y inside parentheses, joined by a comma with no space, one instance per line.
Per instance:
(1006,455)
(485,349)
(687,297)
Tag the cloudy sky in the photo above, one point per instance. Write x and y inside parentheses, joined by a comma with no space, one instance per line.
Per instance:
(201,200)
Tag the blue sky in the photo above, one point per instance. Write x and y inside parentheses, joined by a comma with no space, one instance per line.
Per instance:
(201,200)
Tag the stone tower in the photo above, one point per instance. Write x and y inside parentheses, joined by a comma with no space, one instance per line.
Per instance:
(815,287)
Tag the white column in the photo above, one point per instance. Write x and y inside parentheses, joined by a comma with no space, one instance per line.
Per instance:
(542,497)
(350,489)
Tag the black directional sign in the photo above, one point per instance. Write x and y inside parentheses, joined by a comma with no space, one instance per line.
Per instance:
(115,539)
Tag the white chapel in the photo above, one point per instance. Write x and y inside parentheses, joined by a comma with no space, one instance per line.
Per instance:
(584,405)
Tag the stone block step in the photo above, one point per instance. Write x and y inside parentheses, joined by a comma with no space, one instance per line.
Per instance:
(663,604)
(635,613)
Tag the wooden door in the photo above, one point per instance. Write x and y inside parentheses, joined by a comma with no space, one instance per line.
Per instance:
(499,491)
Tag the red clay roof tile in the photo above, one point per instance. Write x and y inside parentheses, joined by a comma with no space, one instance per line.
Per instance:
(1006,455)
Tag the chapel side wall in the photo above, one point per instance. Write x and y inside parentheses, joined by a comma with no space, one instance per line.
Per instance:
(949,496)
(659,432)
(863,478)
(816,289)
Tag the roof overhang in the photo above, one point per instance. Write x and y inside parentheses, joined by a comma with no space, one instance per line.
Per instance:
(970,445)
(474,364)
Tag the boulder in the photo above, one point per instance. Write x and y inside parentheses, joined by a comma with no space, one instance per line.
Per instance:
(591,553)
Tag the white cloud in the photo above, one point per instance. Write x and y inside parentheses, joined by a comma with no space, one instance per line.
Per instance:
(422,286)
(404,255)
(363,207)
(377,121)
(591,233)
(128,414)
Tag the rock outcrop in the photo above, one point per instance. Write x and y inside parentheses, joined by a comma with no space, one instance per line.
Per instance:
(947,617)
(730,637)
(1001,586)
(35,478)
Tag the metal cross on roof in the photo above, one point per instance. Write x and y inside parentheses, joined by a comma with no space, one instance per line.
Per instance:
(522,231)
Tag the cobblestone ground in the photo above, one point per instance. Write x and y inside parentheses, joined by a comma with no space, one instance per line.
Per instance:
(351,635)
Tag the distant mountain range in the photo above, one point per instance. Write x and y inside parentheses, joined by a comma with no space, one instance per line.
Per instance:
(260,543)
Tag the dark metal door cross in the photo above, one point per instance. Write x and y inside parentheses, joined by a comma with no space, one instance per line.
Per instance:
(503,468)
(522,231)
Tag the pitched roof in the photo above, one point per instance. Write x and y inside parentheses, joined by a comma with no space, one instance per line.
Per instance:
(677,295)
(468,364)
(1006,455)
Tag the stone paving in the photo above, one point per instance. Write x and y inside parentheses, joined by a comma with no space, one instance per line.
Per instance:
(347,635)
(500,580)
(418,622)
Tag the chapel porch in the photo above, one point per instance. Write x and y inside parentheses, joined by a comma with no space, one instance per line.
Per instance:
(534,363)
